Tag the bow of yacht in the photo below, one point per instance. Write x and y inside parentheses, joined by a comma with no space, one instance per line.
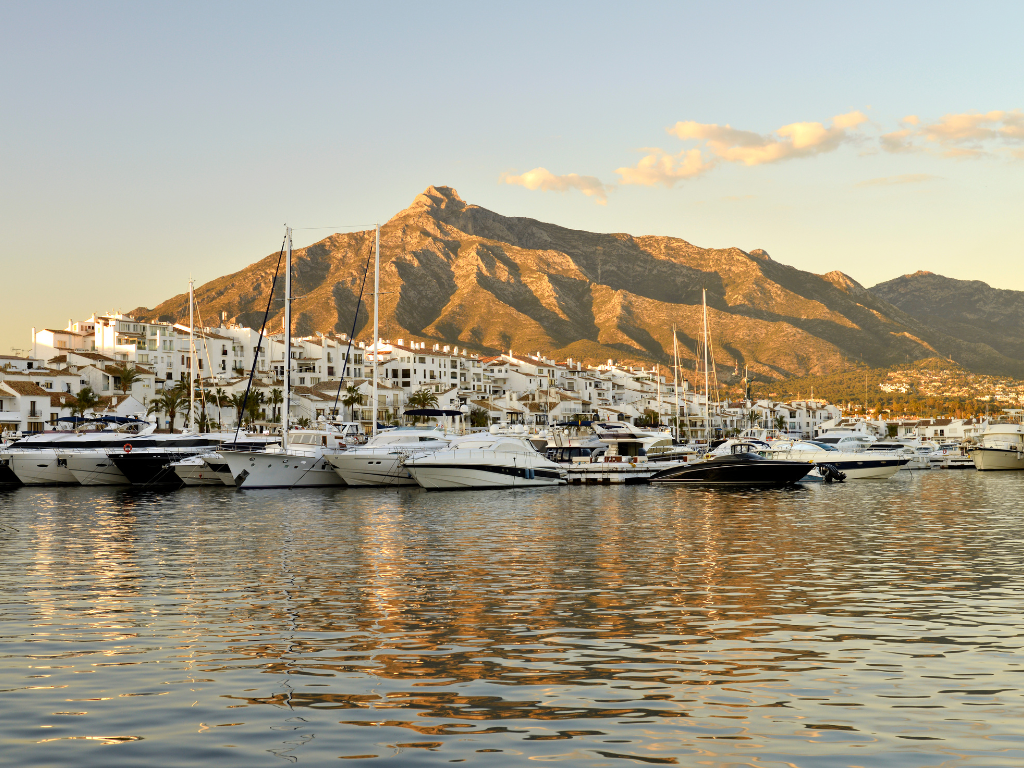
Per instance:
(380,461)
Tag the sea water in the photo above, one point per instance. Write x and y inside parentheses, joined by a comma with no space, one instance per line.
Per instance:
(873,623)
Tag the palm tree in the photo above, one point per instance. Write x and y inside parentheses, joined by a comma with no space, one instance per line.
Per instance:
(174,400)
(86,401)
(253,406)
(125,377)
(354,397)
(423,398)
(780,423)
(237,401)
(156,406)
(220,399)
(478,417)
(275,399)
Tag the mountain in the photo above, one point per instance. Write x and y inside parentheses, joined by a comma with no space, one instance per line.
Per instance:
(456,273)
(967,309)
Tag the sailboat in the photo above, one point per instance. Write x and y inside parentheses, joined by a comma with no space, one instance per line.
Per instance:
(734,462)
(299,461)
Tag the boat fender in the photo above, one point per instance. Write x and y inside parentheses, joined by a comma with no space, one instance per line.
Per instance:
(830,473)
(127,447)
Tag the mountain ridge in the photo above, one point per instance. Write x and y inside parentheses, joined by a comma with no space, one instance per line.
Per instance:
(456,273)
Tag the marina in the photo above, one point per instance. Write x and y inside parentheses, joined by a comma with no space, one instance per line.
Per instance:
(877,621)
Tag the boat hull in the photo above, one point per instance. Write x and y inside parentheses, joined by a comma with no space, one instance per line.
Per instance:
(41,467)
(371,469)
(767,473)
(7,476)
(455,476)
(150,470)
(199,474)
(997,459)
(278,470)
(95,468)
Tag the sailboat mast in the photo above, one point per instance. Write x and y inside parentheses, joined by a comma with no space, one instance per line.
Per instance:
(376,329)
(675,376)
(707,385)
(286,405)
(191,355)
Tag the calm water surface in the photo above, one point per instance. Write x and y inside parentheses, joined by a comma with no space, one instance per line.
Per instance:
(868,624)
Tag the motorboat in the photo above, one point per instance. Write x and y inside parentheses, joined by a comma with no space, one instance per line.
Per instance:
(44,458)
(915,454)
(618,453)
(951,456)
(854,465)
(380,461)
(736,462)
(302,464)
(149,462)
(851,442)
(485,460)
(204,469)
(999,447)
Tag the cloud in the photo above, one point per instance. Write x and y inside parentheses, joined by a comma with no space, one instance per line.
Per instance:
(788,142)
(660,167)
(544,180)
(909,178)
(959,135)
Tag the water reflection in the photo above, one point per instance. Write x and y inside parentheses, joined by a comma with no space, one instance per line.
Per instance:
(868,623)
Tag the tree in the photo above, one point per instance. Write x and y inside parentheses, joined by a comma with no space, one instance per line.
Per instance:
(125,377)
(479,417)
(648,419)
(253,407)
(780,423)
(174,399)
(422,398)
(354,397)
(275,399)
(85,401)
(237,401)
(156,407)
(220,398)
(303,422)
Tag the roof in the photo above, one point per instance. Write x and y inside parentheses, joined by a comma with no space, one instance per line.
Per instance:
(95,356)
(28,388)
(62,399)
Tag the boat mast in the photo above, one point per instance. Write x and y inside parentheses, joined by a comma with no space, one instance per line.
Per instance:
(376,330)
(191,355)
(675,376)
(707,385)
(287,340)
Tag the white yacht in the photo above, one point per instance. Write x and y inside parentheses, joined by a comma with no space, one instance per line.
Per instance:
(999,447)
(302,464)
(617,453)
(485,460)
(379,462)
(915,453)
(853,442)
(856,465)
(204,469)
(44,458)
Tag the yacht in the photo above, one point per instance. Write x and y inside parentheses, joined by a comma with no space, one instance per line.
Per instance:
(204,469)
(44,458)
(848,442)
(999,447)
(617,453)
(854,465)
(915,453)
(380,461)
(485,460)
(301,463)
(149,462)
(736,462)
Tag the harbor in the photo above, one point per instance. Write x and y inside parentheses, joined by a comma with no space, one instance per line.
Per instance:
(601,626)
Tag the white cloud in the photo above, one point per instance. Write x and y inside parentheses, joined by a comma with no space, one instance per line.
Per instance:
(659,167)
(790,141)
(959,135)
(544,180)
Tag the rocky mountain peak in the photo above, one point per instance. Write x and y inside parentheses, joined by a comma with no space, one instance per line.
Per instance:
(437,198)
(843,282)
(760,253)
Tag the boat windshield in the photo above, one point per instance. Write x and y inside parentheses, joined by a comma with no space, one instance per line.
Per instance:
(819,445)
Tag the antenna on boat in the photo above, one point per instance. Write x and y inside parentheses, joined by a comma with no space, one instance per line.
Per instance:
(191,355)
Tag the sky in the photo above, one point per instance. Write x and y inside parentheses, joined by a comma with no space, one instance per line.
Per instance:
(144,143)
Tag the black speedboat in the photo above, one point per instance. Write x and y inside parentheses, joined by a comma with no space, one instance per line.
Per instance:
(736,462)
